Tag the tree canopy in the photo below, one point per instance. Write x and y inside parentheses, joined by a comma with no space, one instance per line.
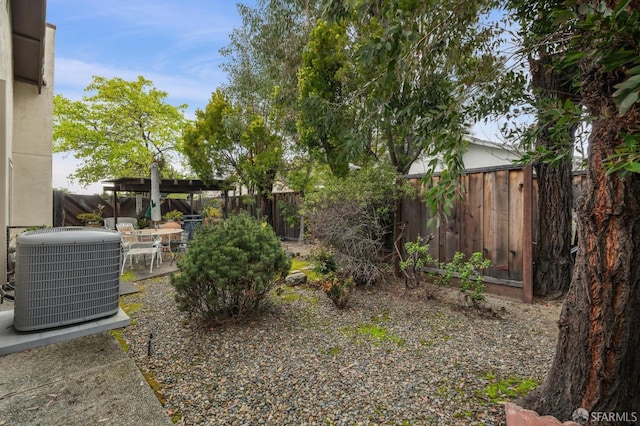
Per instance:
(323,124)
(225,141)
(118,128)
(418,64)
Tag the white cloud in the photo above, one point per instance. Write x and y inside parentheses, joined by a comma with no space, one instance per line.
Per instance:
(63,166)
(73,75)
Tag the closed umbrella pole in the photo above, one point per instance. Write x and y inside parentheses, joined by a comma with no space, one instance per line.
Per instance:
(155,193)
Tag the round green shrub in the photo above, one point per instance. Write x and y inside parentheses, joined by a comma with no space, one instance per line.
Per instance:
(229,268)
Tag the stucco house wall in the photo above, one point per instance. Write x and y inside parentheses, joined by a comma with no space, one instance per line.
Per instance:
(26,136)
(33,137)
(6,122)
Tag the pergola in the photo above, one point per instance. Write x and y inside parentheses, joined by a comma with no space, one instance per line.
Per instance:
(167,186)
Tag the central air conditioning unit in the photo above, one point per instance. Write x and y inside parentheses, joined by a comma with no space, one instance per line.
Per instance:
(65,276)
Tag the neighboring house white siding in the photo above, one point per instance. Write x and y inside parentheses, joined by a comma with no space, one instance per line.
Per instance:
(487,156)
(479,154)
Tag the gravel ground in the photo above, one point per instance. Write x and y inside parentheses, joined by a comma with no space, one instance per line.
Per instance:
(392,358)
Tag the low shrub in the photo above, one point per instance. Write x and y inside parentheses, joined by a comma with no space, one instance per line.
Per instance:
(323,262)
(417,259)
(338,288)
(228,269)
(468,272)
(173,215)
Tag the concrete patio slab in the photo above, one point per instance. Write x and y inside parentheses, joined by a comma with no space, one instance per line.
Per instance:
(88,380)
(12,341)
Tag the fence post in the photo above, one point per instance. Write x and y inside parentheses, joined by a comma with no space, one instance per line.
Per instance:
(527,235)
(58,208)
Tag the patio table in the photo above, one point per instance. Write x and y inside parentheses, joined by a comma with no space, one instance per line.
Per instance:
(148,236)
(153,234)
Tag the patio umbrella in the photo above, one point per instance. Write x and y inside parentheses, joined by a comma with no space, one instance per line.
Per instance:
(155,193)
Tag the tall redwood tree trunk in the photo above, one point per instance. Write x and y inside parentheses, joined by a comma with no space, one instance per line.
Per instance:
(552,261)
(552,269)
(597,360)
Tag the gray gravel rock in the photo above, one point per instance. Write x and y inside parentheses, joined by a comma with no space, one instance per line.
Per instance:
(392,358)
(296,278)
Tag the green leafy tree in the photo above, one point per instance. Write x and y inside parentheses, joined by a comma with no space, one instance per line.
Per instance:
(118,129)
(224,141)
(418,65)
(323,119)
(264,57)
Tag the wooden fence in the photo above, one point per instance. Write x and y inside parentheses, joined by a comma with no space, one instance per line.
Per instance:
(497,216)
(284,207)
(67,206)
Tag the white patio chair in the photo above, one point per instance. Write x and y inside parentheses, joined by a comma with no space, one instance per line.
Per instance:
(132,247)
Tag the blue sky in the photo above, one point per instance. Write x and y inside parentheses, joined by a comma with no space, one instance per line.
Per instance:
(175,44)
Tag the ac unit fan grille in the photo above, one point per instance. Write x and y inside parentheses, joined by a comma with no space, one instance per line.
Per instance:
(68,280)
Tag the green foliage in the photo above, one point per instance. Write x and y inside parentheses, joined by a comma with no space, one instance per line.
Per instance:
(173,215)
(298,264)
(118,129)
(289,212)
(626,158)
(263,60)
(578,33)
(467,272)
(614,33)
(228,269)
(322,120)
(144,222)
(212,208)
(93,217)
(323,262)
(212,213)
(508,389)
(336,285)
(373,188)
(379,333)
(418,258)
(225,140)
(417,81)
(264,57)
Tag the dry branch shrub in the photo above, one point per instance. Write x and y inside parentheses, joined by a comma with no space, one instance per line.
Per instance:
(353,218)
